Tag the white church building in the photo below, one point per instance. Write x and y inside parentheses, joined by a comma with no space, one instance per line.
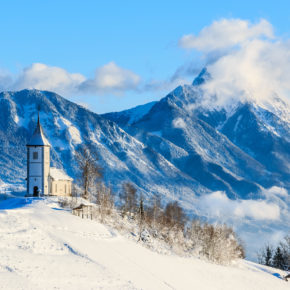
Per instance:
(41,178)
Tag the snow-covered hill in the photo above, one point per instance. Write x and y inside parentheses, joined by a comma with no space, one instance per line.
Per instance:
(228,164)
(45,247)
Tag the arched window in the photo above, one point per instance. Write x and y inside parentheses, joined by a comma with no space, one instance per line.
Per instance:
(56,188)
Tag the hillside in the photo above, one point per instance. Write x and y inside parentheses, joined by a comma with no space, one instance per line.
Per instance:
(45,247)
(223,164)
(67,125)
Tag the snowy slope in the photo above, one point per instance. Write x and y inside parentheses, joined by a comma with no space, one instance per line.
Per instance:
(241,149)
(173,147)
(130,116)
(45,247)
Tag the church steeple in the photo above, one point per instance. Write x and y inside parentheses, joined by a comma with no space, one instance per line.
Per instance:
(38,138)
(38,162)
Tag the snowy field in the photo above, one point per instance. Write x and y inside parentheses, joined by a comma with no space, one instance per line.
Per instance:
(45,247)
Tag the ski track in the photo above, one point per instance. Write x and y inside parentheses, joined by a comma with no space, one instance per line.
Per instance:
(44,247)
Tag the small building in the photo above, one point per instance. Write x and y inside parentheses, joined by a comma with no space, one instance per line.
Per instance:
(41,178)
(84,211)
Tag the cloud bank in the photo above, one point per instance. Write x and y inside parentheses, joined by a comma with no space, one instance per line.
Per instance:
(109,78)
(226,33)
(246,61)
(217,204)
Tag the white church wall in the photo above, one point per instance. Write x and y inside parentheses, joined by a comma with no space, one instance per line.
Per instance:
(46,152)
(39,164)
(35,169)
(60,187)
(40,176)
(32,156)
(35,181)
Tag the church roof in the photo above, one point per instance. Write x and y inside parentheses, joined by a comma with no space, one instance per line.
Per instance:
(38,138)
(58,174)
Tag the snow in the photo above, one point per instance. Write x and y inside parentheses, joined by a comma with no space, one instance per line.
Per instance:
(45,247)
(58,174)
(74,133)
(157,133)
(140,111)
(137,113)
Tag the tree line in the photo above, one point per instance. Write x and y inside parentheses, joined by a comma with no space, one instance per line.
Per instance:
(277,257)
(153,219)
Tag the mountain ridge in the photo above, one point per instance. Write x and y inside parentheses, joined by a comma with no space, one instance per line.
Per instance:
(205,150)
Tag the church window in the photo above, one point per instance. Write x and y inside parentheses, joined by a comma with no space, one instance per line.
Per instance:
(35,155)
(56,188)
(65,188)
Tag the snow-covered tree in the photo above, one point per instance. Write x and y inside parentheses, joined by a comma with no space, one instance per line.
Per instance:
(129,198)
(90,171)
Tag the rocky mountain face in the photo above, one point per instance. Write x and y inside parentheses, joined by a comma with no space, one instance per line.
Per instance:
(173,147)
(237,151)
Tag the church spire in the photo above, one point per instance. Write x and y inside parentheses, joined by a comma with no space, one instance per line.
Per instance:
(38,119)
(38,138)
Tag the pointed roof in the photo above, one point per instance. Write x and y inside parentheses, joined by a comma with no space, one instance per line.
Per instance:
(38,138)
(58,174)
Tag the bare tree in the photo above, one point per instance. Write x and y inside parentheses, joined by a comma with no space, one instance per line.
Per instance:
(105,200)
(154,212)
(129,198)
(90,170)
(174,215)
(141,217)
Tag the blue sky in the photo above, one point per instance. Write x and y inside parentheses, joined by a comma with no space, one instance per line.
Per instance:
(139,40)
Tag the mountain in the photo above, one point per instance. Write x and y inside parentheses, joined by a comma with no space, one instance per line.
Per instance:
(237,151)
(229,164)
(128,117)
(67,125)
(175,146)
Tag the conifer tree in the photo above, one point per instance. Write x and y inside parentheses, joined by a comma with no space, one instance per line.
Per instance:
(268,257)
(278,259)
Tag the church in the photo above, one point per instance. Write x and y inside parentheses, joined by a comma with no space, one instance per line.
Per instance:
(42,179)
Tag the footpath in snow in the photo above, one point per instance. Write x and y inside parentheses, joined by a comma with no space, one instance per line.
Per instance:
(45,247)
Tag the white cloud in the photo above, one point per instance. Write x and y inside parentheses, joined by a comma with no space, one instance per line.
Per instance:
(217,204)
(254,65)
(275,191)
(226,33)
(109,78)
(42,77)
(179,123)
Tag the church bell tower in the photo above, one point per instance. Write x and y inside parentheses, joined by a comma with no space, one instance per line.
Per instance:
(38,163)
